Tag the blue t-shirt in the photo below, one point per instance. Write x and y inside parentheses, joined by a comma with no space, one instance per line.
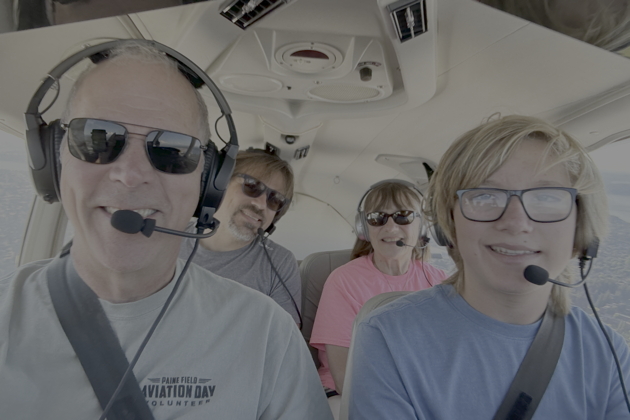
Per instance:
(430,355)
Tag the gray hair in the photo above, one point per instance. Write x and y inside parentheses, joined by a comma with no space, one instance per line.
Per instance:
(145,54)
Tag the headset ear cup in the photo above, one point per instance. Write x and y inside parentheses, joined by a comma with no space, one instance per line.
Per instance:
(216,176)
(209,163)
(591,250)
(46,179)
(360,227)
(423,237)
(207,191)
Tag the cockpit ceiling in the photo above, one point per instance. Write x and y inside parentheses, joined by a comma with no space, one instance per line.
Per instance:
(478,62)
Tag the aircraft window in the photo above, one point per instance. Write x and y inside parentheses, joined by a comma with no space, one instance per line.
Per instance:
(605,24)
(17,196)
(609,280)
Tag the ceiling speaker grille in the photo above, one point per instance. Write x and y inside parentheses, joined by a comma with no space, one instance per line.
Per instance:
(251,83)
(344,93)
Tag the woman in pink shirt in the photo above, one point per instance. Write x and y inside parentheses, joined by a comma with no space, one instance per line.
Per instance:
(387,256)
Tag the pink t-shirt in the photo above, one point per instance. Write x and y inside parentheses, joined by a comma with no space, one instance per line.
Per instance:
(345,292)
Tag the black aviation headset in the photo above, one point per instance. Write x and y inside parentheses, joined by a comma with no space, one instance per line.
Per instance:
(44,140)
(360,220)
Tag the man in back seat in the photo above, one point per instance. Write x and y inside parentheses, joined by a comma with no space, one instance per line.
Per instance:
(258,196)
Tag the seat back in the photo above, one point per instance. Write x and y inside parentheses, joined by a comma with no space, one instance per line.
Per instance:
(314,271)
(375,302)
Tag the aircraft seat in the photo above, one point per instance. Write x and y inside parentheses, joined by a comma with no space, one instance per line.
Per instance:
(314,271)
(375,302)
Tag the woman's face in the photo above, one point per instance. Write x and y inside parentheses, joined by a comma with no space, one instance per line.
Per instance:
(384,238)
(495,254)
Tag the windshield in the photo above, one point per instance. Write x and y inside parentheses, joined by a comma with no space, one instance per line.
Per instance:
(17,195)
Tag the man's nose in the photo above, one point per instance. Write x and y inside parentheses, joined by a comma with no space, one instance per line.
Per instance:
(132,167)
(261,201)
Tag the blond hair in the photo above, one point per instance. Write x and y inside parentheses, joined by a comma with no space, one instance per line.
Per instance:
(145,54)
(477,154)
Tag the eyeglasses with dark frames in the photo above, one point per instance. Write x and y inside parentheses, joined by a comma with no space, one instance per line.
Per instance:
(543,205)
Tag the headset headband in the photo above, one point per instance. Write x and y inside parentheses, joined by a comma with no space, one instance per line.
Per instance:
(34,119)
(395,181)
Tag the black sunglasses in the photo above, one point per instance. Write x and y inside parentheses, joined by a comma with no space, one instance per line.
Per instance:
(102,142)
(254,188)
(400,217)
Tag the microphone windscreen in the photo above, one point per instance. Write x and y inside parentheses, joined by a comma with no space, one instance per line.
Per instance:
(536,275)
(400,243)
(127,221)
(260,232)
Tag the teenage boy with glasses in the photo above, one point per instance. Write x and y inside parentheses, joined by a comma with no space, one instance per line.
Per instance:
(220,351)
(511,195)
(258,195)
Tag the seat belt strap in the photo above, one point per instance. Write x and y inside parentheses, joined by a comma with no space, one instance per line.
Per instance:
(94,342)
(534,374)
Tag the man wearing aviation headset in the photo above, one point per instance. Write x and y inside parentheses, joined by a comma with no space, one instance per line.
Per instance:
(136,140)
(258,195)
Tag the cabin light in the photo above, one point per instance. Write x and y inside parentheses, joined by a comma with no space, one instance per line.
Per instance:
(366,74)
(290,139)
(409,18)
(243,13)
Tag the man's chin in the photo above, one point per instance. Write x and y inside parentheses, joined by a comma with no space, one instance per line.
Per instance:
(246,233)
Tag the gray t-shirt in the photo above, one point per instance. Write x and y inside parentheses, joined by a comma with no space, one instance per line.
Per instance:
(222,351)
(250,267)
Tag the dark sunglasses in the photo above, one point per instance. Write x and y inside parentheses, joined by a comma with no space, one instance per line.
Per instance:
(254,188)
(102,142)
(401,217)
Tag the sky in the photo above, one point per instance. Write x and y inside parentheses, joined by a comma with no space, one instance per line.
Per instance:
(613,157)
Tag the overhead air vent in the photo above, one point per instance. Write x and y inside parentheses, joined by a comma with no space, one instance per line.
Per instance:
(243,13)
(409,17)
(301,153)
